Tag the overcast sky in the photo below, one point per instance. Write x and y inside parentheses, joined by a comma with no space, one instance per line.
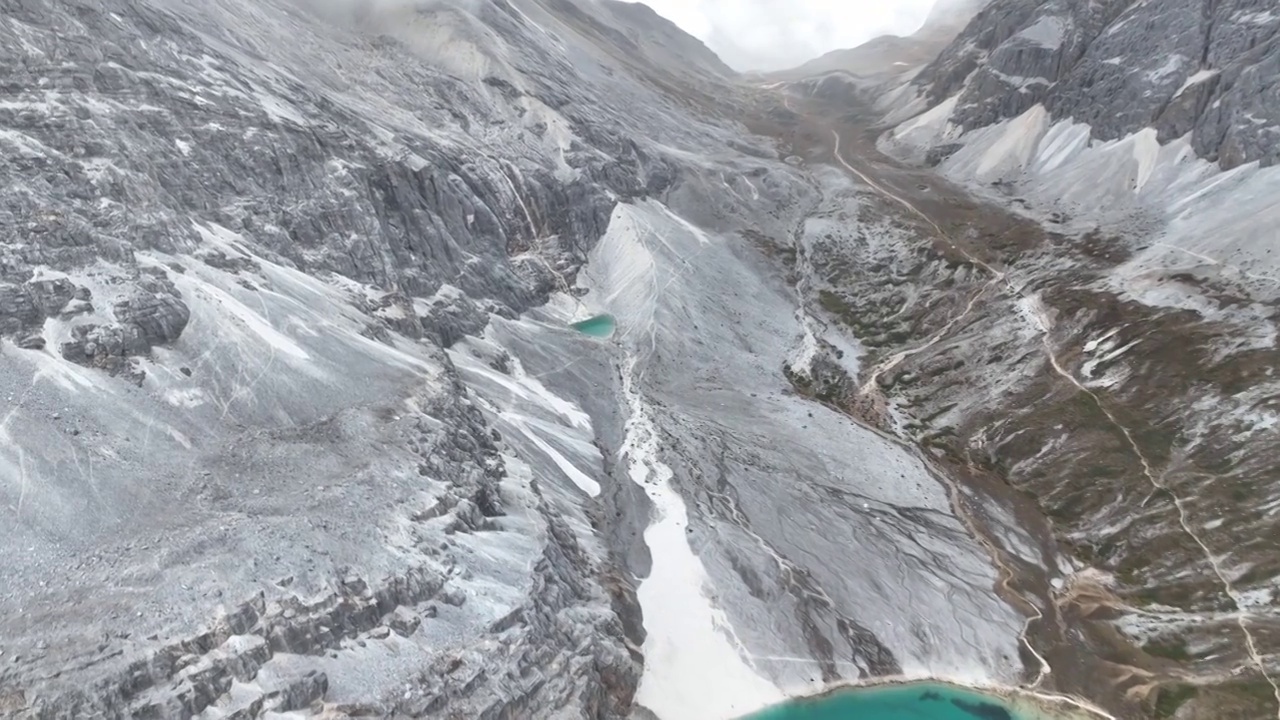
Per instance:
(779,34)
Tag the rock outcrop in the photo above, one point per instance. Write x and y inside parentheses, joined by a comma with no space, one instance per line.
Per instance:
(1198,67)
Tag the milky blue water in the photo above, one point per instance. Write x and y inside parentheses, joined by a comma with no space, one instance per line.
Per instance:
(601,326)
(917,701)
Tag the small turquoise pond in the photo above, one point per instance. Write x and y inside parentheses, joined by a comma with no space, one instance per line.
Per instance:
(601,326)
(915,701)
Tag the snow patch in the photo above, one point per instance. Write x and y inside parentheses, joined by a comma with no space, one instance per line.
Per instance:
(1171,66)
(26,146)
(902,103)
(931,126)
(1196,78)
(693,229)
(1000,150)
(1105,342)
(222,238)
(185,397)
(1256,420)
(557,134)
(1091,366)
(1018,142)
(801,359)
(1261,17)
(1059,144)
(532,388)
(251,319)
(1047,32)
(1260,598)
(584,482)
(458,43)
(532,419)
(1146,151)
(67,375)
(279,110)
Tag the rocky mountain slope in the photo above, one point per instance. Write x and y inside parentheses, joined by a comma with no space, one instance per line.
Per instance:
(1109,348)
(1193,68)
(294,423)
(1125,113)
(238,468)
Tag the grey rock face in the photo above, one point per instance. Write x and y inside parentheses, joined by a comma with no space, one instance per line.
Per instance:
(1182,66)
(134,144)
(642,29)
(153,315)
(452,318)
(223,204)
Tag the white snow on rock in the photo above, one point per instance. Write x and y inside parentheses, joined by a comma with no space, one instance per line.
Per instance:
(697,377)
(997,151)
(1227,218)
(1047,32)
(1171,66)
(1197,77)
(932,126)
(685,632)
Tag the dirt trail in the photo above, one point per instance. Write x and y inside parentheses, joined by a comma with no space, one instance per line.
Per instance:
(873,378)
(1007,574)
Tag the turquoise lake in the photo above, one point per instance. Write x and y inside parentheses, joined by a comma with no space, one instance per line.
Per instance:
(601,326)
(916,701)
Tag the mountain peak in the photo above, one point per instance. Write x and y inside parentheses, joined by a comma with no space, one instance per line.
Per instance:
(890,55)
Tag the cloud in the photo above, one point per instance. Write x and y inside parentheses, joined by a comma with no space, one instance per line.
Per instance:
(778,34)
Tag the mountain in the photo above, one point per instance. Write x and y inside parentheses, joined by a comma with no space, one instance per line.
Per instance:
(893,54)
(1133,143)
(296,422)
(901,377)
(1185,69)
(240,466)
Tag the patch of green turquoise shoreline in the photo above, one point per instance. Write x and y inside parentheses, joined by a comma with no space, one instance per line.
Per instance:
(601,326)
(906,701)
